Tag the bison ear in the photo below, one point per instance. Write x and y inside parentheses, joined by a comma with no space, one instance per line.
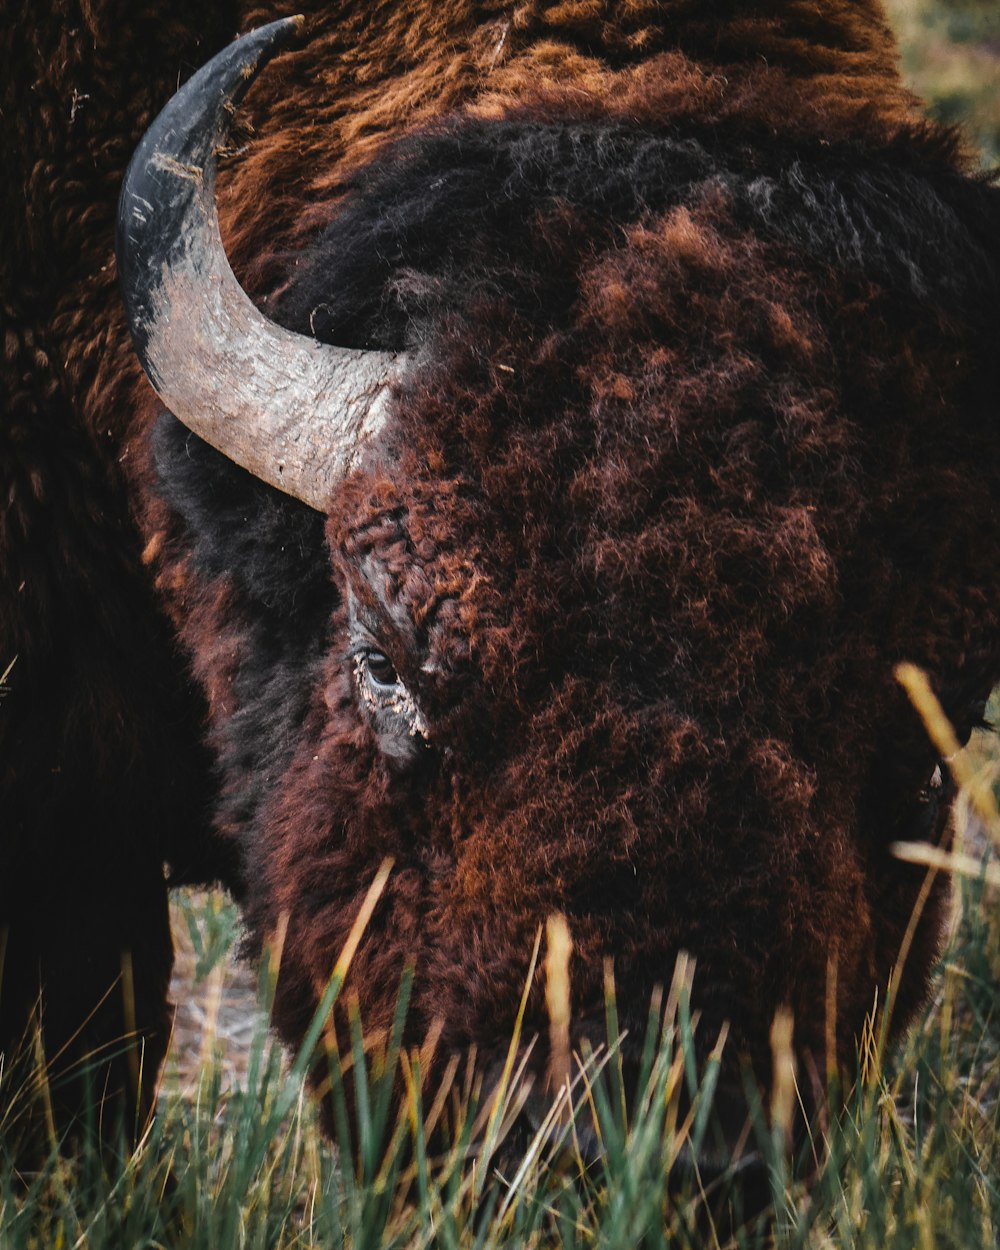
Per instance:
(290,410)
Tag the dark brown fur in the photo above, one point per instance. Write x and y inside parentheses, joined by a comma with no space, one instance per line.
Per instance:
(665,504)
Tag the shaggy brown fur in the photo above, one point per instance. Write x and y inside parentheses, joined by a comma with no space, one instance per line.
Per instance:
(102,775)
(698,450)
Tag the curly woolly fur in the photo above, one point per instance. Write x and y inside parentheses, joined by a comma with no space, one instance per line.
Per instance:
(700,443)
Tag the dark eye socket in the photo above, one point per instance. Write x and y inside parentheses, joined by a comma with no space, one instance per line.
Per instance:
(380,669)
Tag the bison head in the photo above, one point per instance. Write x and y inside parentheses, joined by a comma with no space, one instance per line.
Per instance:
(631,459)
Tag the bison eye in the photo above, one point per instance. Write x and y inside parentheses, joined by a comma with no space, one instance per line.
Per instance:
(395,714)
(380,669)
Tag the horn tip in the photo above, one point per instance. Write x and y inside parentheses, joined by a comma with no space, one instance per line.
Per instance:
(284,29)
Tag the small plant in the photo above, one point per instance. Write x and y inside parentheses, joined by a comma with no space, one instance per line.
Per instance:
(211,923)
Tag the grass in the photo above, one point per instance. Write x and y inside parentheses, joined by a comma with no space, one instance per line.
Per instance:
(912,1160)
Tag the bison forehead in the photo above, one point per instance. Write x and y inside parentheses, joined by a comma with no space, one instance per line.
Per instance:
(660,485)
(660,397)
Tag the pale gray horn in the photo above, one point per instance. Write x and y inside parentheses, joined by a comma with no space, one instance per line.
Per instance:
(291,411)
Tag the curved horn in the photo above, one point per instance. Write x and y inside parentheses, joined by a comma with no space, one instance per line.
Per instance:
(288,409)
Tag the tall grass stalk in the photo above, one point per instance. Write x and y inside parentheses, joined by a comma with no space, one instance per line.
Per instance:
(911,1160)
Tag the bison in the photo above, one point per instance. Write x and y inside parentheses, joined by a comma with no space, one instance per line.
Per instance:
(615,408)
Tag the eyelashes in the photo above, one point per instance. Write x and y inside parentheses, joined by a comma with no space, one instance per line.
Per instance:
(385,696)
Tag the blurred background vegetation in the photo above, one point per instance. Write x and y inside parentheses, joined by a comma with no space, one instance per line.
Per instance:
(951,57)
